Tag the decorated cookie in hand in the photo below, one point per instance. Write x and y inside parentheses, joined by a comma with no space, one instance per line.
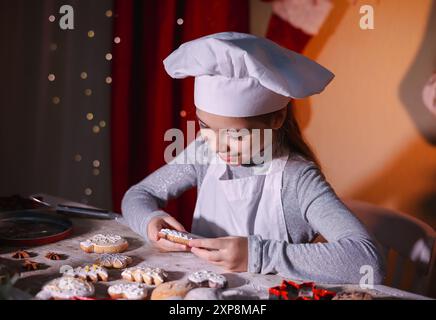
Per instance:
(177,236)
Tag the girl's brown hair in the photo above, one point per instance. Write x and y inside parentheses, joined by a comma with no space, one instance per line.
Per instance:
(289,136)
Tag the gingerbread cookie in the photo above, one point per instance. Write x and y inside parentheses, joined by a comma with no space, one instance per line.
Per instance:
(129,291)
(92,273)
(104,243)
(172,290)
(145,274)
(209,279)
(113,260)
(177,236)
(65,288)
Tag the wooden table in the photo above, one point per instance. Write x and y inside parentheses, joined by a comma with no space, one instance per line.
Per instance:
(178,264)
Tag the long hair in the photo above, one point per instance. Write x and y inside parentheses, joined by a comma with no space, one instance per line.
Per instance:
(289,138)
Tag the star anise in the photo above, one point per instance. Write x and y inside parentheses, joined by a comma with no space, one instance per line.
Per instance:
(30,265)
(53,256)
(21,254)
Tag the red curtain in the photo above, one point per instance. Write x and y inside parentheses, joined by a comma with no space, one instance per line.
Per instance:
(145,100)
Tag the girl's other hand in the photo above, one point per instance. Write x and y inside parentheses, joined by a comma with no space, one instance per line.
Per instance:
(230,253)
(164,245)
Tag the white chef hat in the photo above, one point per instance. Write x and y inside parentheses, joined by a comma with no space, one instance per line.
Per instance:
(242,75)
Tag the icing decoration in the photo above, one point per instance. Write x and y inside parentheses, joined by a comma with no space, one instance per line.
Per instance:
(203,276)
(110,260)
(131,291)
(93,272)
(145,274)
(67,287)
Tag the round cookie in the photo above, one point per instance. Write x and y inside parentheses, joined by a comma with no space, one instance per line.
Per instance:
(92,273)
(129,291)
(172,290)
(148,275)
(104,243)
(65,288)
(113,260)
(205,278)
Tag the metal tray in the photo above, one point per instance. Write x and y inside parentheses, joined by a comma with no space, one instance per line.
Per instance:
(33,227)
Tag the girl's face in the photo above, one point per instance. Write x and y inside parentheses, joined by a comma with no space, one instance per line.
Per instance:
(236,140)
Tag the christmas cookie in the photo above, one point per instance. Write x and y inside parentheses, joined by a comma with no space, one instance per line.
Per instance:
(145,274)
(104,243)
(209,279)
(172,290)
(129,291)
(65,288)
(177,236)
(113,260)
(92,273)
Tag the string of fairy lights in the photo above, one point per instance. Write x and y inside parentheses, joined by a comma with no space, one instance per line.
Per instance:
(97,124)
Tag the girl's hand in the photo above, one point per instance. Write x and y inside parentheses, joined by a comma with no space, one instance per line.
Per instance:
(164,245)
(228,252)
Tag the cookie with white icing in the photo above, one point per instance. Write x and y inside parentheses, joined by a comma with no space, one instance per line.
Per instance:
(65,288)
(129,291)
(172,290)
(177,236)
(113,260)
(205,278)
(92,273)
(104,243)
(148,275)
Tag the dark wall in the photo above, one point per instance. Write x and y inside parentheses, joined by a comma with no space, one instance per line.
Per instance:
(40,140)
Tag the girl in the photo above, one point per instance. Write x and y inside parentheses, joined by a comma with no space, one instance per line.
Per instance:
(260,223)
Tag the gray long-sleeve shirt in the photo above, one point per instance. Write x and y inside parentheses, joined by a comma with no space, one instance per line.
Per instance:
(310,205)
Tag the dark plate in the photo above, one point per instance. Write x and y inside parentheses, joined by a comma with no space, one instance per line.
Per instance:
(33,227)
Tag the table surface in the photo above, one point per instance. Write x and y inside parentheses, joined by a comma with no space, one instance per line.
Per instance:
(178,265)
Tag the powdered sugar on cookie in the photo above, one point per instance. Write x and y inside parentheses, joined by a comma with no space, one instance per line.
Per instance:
(148,275)
(209,278)
(114,260)
(93,273)
(131,291)
(66,288)
(104,243)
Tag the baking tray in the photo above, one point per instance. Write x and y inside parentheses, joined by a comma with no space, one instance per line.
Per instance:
(33,227)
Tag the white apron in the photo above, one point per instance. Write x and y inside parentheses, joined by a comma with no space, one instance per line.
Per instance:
(242,206)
